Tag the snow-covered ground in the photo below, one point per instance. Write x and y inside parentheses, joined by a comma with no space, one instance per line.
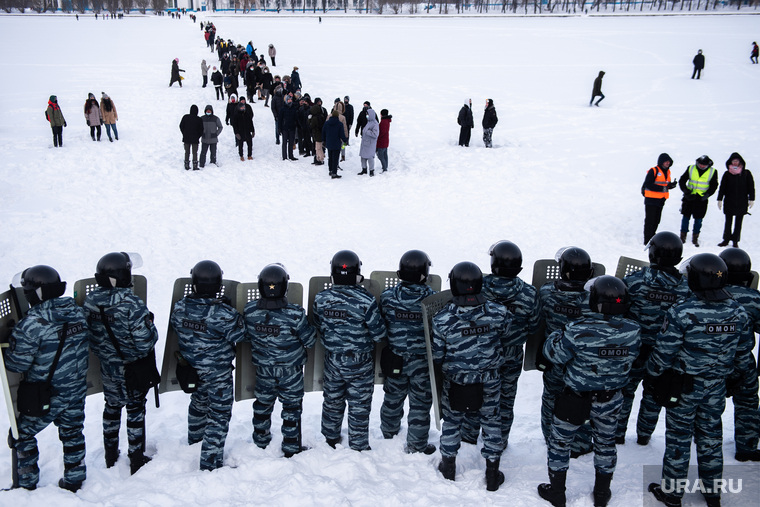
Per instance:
(560,173)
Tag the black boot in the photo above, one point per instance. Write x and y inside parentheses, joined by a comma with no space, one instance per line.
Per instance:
(494,477)
(554,492)
(448,467)
(683,236)
(660,495)
(112,454)
(195,166)
(695,238)
(364,171)
(602,493)
(136,460)
(187,165)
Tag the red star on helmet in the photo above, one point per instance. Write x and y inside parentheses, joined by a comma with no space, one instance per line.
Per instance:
(618,300)
(345,266)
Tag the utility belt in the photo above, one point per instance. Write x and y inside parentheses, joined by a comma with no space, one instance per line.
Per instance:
(669,388)
(575,407)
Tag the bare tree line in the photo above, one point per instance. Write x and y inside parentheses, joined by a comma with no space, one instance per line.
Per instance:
(527,7)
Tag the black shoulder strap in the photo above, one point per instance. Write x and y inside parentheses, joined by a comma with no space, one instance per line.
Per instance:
(58,352)
(104,319)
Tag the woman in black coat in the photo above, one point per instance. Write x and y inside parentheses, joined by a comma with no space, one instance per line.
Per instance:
(175,73)
(737,186)
(466,123)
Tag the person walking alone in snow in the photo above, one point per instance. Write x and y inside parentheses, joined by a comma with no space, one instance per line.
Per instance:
(699,64)
(597,91)
(175,77)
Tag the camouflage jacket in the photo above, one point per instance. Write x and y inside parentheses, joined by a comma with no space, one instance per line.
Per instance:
(703,338)
(521,299)
(34,343)
(280,336)
(401,307)
(559,307)
(652,292)
(750,300)
(467,340)
(597,352)
(207,329)
(348,319)
(130,321)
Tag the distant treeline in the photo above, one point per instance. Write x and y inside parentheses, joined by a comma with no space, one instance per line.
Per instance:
(525,7)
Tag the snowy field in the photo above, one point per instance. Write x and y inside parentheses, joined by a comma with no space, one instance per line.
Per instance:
(560,173)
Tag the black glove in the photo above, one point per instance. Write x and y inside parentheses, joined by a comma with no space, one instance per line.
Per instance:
(673,184)
(64,124)
(733,383)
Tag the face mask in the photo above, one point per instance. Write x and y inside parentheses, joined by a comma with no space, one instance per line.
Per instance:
(208,113)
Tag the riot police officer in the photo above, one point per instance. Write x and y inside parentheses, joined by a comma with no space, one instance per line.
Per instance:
(208,329)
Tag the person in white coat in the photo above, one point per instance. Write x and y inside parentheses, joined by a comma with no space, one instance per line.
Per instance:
(369,143)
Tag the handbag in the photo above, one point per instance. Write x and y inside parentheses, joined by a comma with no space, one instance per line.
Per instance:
(34,398)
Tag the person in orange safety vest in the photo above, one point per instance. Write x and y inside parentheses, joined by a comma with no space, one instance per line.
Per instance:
(655,191)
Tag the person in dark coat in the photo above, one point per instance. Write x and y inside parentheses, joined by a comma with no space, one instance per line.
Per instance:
(295,79)
(466,123)
(287,119)
(348,114)
(305,147)
(489,122)
(250,82)
(735,196)
(242,125)
(54,115)
(361,120)
(218,80)
(175,73)
(334,135)
(698,182)
(317,118)
(699,64)
(597,91)
(278,102)
(191,127)
(755,53)
(212,127)
(266,85)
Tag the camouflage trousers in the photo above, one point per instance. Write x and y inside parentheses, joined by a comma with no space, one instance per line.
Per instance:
(488,415)
(68,416)
(697,417)
(415,383)
(510,373)
(746,415)
(116,398)
(604,418)
(208,417)
(554,383)
(487,135)
(635,377)
(286,384)
(649,414)
(353,386)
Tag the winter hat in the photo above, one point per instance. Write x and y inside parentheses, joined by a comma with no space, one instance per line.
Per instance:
(176,60)
(383,112)
(233,98)
(346,98)
(104,95)
(208,108)
(242,100)
(53,98)
(271,45)
(90,95)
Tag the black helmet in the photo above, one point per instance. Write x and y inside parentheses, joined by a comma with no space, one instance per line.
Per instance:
(346,268)
(575,264)
(706,272)
(41,283)
(466,279)
(609,295)
(506,259)
(414,266)
(114,270)
(705,160)
(665,249)
(739,266)
(207,278)
(273,281)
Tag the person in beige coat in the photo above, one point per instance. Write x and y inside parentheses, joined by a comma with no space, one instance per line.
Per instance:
(109,115)
(92,115)
(341,108)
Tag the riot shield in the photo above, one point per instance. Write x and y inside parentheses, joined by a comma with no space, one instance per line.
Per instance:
(430,306)
(626,266)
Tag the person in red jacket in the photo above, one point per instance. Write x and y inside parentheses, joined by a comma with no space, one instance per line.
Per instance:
(384,138)
(655,191)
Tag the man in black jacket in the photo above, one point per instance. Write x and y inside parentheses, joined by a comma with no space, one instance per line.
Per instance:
(287,119)
(699,64)
(242,125)
(466,123)
(191,127)
(361,121)
(349,115)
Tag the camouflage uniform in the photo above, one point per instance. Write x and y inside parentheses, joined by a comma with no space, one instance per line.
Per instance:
(652,291)
(560,303)
(521,299)
(706,340)
(401,307)
(33,345)
(746,415)
(279,338)
(208,329)
(597,353)
(132,326)
(349,322)
(467,342)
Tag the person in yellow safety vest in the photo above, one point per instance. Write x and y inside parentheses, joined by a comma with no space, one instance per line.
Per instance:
(655,191)
(697,183)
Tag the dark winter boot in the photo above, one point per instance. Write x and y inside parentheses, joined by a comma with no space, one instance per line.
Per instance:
(372,173)
(660,495)
(195,166)
(494,477)
(683,236)
(448,467)
(602,493)
(187,165)
(136,460)
(712,501)
(73,487)
(723,243)
(695,238)
(554,492)
(112,454)
(364,171)
(748,455)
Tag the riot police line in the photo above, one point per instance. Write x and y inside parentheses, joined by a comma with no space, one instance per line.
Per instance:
(209,311)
